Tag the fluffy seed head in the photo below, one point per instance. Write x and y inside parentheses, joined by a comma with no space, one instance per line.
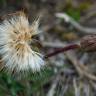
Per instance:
(15,36)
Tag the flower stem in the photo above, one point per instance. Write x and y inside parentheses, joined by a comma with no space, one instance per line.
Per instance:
(60,50)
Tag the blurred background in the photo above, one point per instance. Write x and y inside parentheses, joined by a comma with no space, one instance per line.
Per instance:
(70,73)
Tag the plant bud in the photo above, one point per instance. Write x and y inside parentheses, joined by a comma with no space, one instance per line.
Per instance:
(88,43)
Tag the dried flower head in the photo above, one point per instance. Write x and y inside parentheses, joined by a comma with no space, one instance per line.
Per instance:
(15,36)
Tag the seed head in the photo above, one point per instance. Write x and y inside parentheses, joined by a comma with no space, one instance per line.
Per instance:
(15,49)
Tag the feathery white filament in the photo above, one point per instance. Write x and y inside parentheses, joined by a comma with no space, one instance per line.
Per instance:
(16,53)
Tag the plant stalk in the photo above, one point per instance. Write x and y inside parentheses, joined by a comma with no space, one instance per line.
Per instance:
(60,50)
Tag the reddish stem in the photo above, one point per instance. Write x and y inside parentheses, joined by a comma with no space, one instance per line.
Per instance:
(60,50)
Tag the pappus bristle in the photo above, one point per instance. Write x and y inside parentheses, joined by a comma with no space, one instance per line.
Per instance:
(16,53)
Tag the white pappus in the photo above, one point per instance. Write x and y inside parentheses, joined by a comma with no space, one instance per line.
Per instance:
(15,35)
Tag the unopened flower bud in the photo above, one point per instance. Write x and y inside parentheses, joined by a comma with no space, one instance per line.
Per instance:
(88,43)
